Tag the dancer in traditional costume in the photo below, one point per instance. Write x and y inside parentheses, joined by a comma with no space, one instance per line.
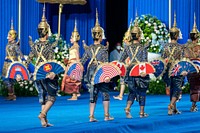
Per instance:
(172,52)
(127,41)
(47,88)
(13,53)
(137,53)
(97,53)
(71,85)
(193,78)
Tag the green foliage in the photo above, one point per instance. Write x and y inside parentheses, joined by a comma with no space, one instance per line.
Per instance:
(25,88)
(156,87)
(186,88)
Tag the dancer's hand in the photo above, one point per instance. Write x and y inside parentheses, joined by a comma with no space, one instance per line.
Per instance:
(143,74)
(51,75)
(184,73)
(18,78)
(107,80)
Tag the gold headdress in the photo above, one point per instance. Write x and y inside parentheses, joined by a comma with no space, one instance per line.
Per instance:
(194,30)
(43,24)
(97,29)
(75,35)
(174,29)
(127,35)
(12,32)
(136,29)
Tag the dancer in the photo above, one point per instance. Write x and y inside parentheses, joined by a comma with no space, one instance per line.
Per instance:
(137,53)
(193,78)
(172,52)
(47,88)
(97,53)
(13,53)
(127,41)
(69,85)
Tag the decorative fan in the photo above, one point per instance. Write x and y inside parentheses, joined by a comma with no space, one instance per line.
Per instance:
(142,67)
(17,69)
(121,66)
(105,70)
(45,67)
(159,66)
(75,71)
(180,66)
(196,61)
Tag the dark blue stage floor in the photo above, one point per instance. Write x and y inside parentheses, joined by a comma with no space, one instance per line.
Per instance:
(72,116)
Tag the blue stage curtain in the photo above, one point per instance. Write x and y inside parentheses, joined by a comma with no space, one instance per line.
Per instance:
(31,12)
(9,10)
(157,8)
(185,16)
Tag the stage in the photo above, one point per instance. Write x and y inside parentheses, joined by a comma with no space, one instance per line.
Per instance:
(72,116)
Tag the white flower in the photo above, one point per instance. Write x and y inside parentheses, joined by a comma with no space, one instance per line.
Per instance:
(180,35)
(157,81)
(58,56)
(56,50)
(26,87)
(146,22)
(31,88)
(149,24)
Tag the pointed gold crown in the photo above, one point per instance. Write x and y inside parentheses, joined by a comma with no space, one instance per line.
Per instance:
(97,28)
(136,29)
(127,35)
(75,35)
(12,32)
(194,30)
(174,28)
(43,24)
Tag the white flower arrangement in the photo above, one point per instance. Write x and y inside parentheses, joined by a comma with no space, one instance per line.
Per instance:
(61,52)
(154,32)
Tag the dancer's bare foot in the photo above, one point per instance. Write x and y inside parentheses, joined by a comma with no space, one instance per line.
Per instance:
(42,117)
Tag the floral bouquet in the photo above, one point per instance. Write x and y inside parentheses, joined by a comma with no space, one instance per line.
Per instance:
(154,32)
(62,49)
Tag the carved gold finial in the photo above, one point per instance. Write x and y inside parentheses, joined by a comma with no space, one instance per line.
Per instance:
(97,29)
(12,32)
(174,28)
(194,30)
(75,35)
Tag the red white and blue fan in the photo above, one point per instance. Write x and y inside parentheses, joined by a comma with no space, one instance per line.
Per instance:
(196,61)
(17,69)
(180,66)
(121,66)
(75,71)
(142,67)
(44,68)
(105,70)
(159,66)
